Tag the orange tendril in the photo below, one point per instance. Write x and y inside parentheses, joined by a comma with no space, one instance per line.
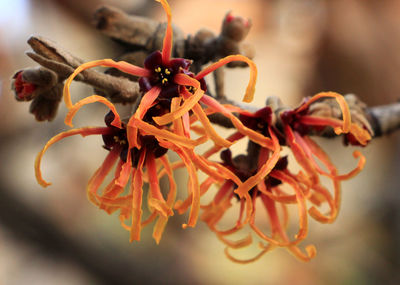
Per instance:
(193,186)
(121,65)
(137,195)
(88,100)
(98,177)
(157,200)
(86,131)
(166,135)
(145,103)
(182,207)
(345,128)
(162,221)
(249,260)
(248,97)
(190,101)
(167,42)
(252,135)
(124,173)
(263,171)
(360,134)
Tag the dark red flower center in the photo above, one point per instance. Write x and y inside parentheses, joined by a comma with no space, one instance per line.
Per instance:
(162,75)
(118,138)
(258,121)
(239,167)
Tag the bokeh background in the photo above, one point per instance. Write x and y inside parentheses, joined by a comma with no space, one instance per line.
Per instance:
(54,236)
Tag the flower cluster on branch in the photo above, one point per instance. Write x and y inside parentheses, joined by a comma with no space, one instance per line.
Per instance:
(173,105)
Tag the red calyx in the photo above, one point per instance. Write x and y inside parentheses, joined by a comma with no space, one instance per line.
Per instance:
(23,89)
(229,18)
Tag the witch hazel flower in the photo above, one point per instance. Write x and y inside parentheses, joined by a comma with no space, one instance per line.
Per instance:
(139,164)
(274,201)
(261,180)
(174,99)
(171,92)
(129,164)
(266,176)
(298,124)
(163,78)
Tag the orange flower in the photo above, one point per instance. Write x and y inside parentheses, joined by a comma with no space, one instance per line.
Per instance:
(163,121)
(139,163)
(130,164)
(266,178)
(297,125)
(270,192)
(163,78)
(166,83)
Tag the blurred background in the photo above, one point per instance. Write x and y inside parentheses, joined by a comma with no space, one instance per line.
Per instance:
(55,236)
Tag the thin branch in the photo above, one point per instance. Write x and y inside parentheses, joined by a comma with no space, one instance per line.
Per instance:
(145,35)
(379,120)
(385,119)
(50,55)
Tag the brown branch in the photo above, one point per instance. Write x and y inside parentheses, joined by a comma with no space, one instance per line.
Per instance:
(128,29)
(144,36)
(385,119)
(141,33)
(52,56)
(46,83)
(379,120)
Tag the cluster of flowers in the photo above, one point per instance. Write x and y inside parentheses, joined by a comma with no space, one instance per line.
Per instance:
(174,100)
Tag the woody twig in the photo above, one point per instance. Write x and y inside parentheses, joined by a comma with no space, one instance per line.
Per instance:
(142,36)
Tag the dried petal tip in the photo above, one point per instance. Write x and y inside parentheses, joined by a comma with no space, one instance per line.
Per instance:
(251,86)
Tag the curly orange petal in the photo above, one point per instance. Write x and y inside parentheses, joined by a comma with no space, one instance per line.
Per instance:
(183,109)
(194,188)
(238,243)
(263,171)
(301,205)
(124,174)
(157,200)
(166,135)
(137,195)
(248,97)
(98,177)
(121,65)
(162,221)
(81,131)
(167,42)
(182,207)
(249,260)
(251,134)
(345,128)
(88,100)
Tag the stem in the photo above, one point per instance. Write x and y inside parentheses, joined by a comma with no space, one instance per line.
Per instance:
(385,119)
